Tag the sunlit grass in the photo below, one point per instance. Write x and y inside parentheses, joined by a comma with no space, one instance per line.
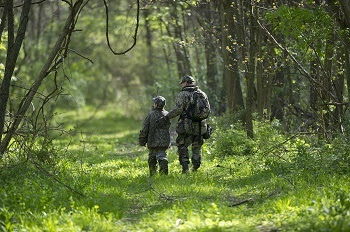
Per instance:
(104,163)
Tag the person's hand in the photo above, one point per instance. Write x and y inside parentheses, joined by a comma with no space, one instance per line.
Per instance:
(163,120)
(142,144)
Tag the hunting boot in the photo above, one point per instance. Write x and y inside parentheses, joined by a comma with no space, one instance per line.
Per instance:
(184,168)
(152,171)
(195,167)
(163,167)
(196,164)
(196,157)
(152,164)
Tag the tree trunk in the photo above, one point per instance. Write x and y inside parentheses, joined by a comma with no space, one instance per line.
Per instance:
(148,37)
(338,84)
(251,74)
(26,101)
(210,53)
(264,78)
(313,99)
(224,42)
(183,63)
(14,46)
(345,5)
(4,19)
(278,100)
(260,81)
(231,76)
(268,64)
(347,69)
(327,84)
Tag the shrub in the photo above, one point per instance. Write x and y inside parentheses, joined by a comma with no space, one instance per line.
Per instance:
(284,153)
(231,141)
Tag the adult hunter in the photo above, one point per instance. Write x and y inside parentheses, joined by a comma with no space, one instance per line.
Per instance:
(193,107)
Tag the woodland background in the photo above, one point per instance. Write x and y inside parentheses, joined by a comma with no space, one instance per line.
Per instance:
(76,73)
(285,60)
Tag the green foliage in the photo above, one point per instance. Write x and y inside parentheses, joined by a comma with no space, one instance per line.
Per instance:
(232,142)
(271,149)
(297,162)
(305,26)
(297,183)
(6,217)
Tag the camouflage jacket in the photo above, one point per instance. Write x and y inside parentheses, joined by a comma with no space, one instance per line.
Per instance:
(155,134)
(185,125)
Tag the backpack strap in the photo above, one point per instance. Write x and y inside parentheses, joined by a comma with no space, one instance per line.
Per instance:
(191,105)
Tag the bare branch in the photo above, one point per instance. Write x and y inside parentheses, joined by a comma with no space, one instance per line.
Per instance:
(299,65)
(21,87)
(42,169)
(92,62)
(135,33)
(46,100)
(14,46)
(42,75)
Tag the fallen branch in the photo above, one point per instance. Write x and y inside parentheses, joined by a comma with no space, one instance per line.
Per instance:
(241,202)
(161,195)
(40,168)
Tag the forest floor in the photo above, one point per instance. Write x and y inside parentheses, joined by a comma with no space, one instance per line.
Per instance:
(109,189)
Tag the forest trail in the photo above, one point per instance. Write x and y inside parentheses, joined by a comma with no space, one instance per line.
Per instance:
(277,74)
(118,183)
(105,164)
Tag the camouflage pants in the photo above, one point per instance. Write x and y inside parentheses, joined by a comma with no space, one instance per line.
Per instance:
(183,141)
(157,156)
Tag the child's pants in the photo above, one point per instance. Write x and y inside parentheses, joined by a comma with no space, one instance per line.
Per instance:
(157,156)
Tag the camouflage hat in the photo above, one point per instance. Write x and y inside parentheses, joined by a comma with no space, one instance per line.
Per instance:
(188,79)
(160,101)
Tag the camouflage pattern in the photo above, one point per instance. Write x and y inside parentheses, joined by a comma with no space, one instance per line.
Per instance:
(188,79)
(160,101)
(188,131)
(183,141)
(199,108)
(157,137)
(182,102)
(155,134)
(156,156)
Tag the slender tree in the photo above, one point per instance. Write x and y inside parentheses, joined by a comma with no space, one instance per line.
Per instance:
(231,72)
(61,45)
(13,48)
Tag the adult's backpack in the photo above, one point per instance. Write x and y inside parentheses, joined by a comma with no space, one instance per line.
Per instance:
(199,107)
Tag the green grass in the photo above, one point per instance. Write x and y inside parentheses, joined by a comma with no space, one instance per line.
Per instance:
(104,163)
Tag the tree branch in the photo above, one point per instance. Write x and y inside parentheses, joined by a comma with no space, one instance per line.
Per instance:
(38,166)
(77,53)
(14,46)
(135,33)
(300,66)
(26,101)
(3,20)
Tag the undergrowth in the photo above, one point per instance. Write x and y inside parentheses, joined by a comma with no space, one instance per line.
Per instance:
(100,182)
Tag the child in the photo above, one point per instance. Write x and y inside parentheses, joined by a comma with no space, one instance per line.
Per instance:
(157,137)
